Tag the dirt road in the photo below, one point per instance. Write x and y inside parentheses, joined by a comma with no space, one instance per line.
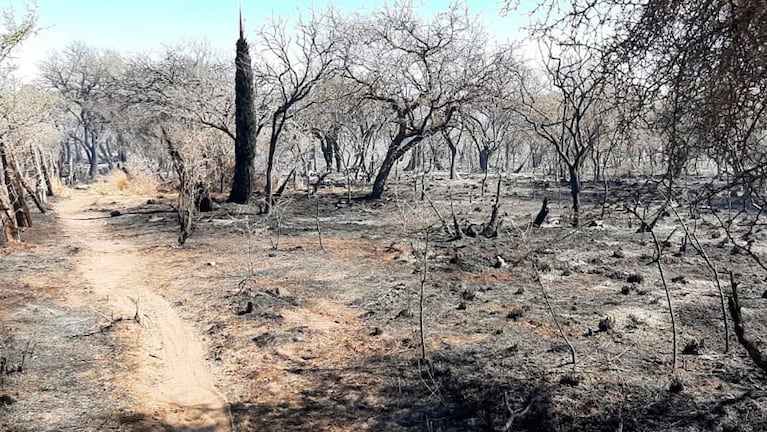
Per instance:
(168,373)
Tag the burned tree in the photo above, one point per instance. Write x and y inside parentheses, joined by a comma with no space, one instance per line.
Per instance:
(292,68)
(569,118)
(246,125)
(420,72)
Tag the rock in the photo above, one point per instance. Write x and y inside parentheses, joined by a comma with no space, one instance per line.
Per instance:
(376,332)
(626,289)
(635,278)
(468,295)
(211,263)
(679,279)
(115,213)
(519,291)
(764,294)
(618,253)
(150,201)
(500,262)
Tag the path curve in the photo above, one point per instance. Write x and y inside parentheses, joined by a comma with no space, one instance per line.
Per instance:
(171,378)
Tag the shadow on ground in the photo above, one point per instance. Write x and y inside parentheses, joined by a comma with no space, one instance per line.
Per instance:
(457,392)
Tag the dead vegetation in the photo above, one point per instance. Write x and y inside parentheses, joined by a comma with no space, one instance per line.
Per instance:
(344,336)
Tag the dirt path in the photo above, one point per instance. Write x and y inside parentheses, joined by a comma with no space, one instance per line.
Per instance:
(167,371)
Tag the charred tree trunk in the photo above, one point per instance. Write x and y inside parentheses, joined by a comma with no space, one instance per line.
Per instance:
(453,152)
(245,124)
(93,153)
(327,150)
(484,159)
(575,192)
(540,218)
(395,152)
(416,159)
(759,358)
(337,154)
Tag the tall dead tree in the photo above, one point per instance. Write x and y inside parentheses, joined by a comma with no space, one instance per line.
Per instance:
(245,123)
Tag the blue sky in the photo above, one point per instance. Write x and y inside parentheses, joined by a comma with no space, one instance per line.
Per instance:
(145,25)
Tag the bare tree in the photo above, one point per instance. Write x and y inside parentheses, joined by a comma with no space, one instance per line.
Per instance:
(492,122)
(293,68)
(81,75)
(568,118)
(421,72)
(13,208)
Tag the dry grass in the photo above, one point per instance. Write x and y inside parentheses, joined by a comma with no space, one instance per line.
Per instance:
(119,182)
(60,189)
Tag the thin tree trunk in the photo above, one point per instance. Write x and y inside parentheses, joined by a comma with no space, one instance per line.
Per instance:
(575,192)
(94,155)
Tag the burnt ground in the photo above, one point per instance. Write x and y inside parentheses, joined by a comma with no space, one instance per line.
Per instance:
(303,337)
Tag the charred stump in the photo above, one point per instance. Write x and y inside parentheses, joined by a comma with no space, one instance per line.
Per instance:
(542,214)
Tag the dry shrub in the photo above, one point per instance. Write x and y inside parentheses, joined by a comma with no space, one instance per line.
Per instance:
(259,184)
(59,188)
(117,181)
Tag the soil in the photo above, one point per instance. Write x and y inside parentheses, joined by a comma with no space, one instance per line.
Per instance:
(261,323)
